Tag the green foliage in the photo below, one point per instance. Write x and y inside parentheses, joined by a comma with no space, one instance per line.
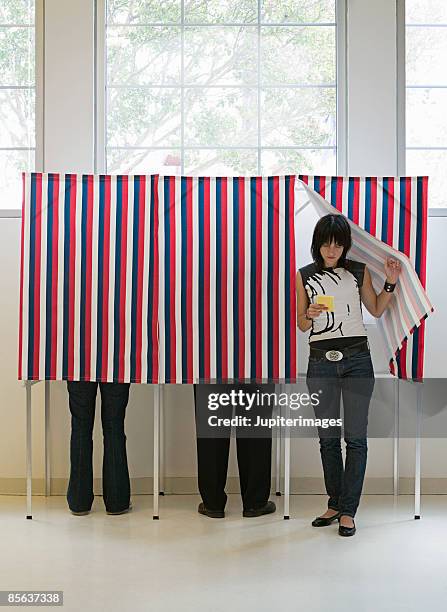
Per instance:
(17,11)
(17,59)
(293,55)
(141,56)
(132,12)
(300,11)
(141,117)
(221,11)
(17,56)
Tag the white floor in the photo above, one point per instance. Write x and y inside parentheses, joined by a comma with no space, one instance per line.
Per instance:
(189,562)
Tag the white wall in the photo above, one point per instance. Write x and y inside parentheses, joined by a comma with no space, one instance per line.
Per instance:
(69,86)
(69,142)
(372,65)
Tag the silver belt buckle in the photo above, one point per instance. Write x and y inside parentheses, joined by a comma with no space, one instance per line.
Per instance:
(334,355)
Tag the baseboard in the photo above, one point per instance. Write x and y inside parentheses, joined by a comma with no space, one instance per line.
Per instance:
(188,486)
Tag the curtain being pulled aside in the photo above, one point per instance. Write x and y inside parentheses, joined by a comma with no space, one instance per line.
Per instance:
(388,217)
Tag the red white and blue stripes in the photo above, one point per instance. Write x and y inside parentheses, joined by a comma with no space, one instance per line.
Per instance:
(88,282)
(389,217)
(192,279)
(227,306)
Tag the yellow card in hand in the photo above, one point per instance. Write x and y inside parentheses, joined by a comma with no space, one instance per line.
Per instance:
(326,300)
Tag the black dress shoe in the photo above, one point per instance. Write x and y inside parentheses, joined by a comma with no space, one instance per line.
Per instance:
(83,513)
(346,531)
(322,521)
(211,513)
(267,508)
(125,511)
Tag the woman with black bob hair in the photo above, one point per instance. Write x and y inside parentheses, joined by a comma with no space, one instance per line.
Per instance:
(330,293)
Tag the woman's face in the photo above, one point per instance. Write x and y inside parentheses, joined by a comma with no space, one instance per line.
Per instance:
(331,253)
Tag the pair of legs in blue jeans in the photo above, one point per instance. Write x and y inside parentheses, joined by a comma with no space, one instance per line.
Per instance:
(353,379)
(115,473)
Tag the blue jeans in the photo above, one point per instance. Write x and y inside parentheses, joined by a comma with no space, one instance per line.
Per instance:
(115,473)
(353,379)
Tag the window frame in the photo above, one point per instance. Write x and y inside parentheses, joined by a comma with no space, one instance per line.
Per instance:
(39,39)
(340,90)
(401,30)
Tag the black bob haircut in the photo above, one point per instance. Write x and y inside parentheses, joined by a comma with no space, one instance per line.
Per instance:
(331,228)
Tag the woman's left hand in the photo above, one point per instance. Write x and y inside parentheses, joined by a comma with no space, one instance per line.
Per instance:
(392,269)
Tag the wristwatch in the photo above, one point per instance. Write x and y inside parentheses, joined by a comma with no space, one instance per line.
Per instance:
(389,287)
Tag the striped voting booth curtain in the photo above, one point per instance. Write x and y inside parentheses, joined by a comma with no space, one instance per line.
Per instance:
(156,279)
(227,279)
(394,212)
(88,288)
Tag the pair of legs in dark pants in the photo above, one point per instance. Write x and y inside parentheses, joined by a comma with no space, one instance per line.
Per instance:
(352,378)
(115,473)
(254,449)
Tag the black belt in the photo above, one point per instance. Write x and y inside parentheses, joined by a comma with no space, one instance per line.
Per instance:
(336,354)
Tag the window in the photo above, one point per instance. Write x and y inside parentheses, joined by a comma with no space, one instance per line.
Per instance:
(221,86)
(17,97)
(426,94)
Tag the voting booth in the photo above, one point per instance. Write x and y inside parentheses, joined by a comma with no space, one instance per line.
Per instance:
(178,280)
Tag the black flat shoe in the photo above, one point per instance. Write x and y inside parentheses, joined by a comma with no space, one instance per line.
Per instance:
(321,521)
(211,513)
(346,531)
(267,508)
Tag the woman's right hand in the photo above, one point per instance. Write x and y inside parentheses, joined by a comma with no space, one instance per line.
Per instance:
(314,310)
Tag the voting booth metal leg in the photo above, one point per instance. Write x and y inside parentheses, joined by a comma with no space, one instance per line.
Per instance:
(287,469)
(278,444)
(29,513)
(278,454)
(156,474)
(417,476)
(162,442)
(47,440)
(396,439)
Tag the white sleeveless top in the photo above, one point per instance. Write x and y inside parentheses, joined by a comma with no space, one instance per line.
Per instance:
(344,285)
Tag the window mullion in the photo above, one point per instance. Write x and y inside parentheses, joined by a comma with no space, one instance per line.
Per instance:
(259,88)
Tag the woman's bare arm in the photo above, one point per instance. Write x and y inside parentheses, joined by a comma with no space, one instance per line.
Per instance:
(375,304)
(302,301)
(304,308)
